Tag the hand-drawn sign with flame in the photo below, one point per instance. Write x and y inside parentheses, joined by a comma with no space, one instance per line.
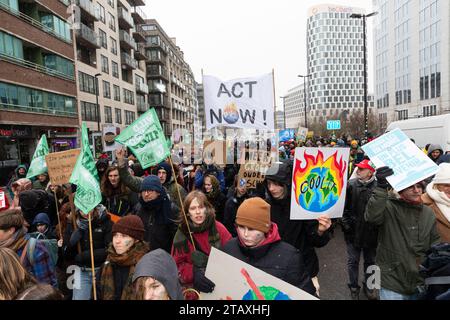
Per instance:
(319,181)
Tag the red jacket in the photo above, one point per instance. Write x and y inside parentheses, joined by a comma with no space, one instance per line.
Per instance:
(183,259)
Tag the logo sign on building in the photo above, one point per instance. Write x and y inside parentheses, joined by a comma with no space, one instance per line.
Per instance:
(334,125)
(241,103)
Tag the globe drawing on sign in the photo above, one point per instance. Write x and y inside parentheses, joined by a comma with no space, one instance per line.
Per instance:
(261,292)
(231,114)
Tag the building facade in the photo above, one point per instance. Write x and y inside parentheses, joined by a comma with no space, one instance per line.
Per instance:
(294,106)
(335,51)
(170,79)
(279,120)
(110,63)
(37,80)
(411,59)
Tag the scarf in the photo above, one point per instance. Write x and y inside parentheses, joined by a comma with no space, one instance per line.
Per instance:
(161,209)
(181,239)
(441,200)
(365,183)
(128,259)
(17,240)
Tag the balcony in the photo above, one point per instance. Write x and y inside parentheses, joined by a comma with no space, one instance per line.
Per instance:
(142,106)
(141,87)
(87,10)
(87,37)
(126,41)
(139,52)
(153,58)
(138,15)
(157,45)
(125,19)
(128,62)
(138,34)
(161,73)
(156,102)
(136,2)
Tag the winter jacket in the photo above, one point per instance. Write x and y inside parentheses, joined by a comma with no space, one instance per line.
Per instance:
(14,178)
(159,231)
(219,205)
(38,185)
(120,204)
(206,170)
(406,232)
(101,235)
(230,211)
(302,234)
(356,230)
(442,224)
(434,147)
(33,202)
(183,259)
(275,257)
(171,188)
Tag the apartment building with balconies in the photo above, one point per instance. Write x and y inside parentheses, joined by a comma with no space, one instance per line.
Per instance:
(37,80)
(110,65)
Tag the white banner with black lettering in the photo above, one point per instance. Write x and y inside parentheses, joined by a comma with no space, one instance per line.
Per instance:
(240,103)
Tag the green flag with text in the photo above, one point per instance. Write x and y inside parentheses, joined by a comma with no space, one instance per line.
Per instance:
(38,164)
(146,139)
(85,176)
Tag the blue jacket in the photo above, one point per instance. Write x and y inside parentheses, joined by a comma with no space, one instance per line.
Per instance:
(210,169)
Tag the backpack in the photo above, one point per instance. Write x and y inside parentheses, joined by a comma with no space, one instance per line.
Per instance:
(50,244)
(436,272)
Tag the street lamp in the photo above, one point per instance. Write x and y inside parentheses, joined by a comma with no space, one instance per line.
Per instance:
(304,95)
(364,16)
(96,95)
(284,110)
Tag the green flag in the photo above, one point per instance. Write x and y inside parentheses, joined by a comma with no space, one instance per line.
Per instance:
(85,176)
(146,139)
(38,165)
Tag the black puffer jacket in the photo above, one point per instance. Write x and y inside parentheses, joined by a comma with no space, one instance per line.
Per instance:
(357,230)
(231,207)
(275,257)
(302,234)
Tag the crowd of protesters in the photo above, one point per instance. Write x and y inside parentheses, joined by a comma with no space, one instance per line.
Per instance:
(155,228)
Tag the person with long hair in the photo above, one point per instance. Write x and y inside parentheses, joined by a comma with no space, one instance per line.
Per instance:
(13,276)
(118,199)
(40,292)
(207,232)
(211,188)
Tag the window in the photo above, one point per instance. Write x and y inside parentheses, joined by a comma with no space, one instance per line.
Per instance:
(105,64)
(58,26)
(116,90)
(59,64)
(115,69)
(118,115)
(106,90)
(128,96)
(87,82)
(129,117)
(108,115)
(111,22)
(101,12)
(113,46)
(89,111)
(103,38)
(11,46)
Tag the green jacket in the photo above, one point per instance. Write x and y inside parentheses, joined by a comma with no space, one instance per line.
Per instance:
(406,232)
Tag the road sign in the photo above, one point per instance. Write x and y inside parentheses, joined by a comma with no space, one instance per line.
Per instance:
(334,125)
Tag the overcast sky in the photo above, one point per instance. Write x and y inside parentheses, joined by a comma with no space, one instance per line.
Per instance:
(243,38)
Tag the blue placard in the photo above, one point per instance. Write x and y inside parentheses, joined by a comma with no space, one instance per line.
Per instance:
(334,125)
(286,135)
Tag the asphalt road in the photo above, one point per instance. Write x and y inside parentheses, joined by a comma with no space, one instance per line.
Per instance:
(333,277)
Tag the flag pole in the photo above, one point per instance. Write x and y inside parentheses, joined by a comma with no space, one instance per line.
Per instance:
(181,202)
(57,214)
(92,256)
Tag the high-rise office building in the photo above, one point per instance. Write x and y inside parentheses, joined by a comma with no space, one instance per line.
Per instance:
(335,63)
(37,80)
(294,107)
(411,59)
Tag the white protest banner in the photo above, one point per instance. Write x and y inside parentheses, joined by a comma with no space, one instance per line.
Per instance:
(395,150)
(240,103)
(319,182)
(241,281)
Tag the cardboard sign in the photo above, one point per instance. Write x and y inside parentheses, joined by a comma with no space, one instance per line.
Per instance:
(242,281)
(319,182)
(60,165)
(254,170)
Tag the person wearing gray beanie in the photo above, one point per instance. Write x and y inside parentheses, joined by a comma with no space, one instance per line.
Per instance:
(156,277)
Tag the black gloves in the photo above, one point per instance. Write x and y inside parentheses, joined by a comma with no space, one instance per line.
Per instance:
(201,282)
(381,175)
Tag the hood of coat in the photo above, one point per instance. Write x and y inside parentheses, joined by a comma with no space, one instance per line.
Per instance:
(159,265)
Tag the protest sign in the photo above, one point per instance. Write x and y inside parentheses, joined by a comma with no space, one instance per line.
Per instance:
(109,135)
(3,204)
(395,150)
(302,134)
(240,103)
(60,165)
(286,135)
(253,171)
(319,182)
(242,281)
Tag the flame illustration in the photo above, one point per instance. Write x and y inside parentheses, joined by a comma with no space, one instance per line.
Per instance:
(326,177)
(230,108)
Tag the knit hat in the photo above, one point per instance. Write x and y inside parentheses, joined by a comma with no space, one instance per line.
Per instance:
(443,175)
(131,226)
(41,218)
(354,142)
(151,183)
(254,213)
